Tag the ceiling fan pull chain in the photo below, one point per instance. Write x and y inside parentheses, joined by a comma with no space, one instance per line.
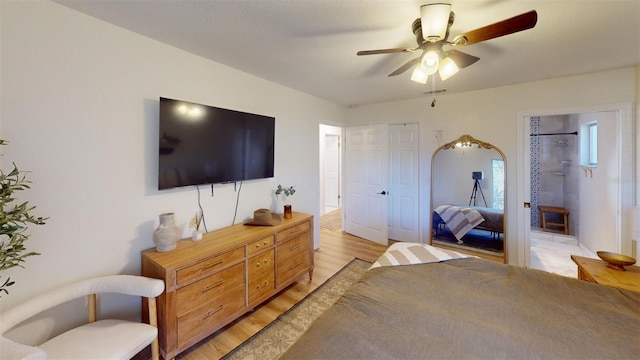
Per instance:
(433,90)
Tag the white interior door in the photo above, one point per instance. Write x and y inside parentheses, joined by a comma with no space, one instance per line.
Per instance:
(332,170)
(366,170)
(404,189)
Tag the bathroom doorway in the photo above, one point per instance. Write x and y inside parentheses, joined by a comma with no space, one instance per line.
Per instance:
(555,170)
(595,196)
(555,185)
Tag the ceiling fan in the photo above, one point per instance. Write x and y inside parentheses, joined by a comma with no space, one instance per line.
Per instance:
(432,33)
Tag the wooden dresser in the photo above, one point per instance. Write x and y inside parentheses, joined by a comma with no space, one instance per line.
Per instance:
(212,282)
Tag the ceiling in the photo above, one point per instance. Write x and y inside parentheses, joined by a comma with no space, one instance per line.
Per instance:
(311,45)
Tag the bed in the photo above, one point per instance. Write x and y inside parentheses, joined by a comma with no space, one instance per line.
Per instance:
(461,219)
(418,302)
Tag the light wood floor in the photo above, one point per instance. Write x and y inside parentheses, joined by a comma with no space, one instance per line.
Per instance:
(336,250)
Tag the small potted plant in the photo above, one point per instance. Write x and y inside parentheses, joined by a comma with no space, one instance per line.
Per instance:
(282,193)
(286,191)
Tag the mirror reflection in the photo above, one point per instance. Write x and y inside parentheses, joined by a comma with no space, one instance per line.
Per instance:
(468,197)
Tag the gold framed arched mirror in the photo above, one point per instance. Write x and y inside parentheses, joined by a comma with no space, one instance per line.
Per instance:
(468,197)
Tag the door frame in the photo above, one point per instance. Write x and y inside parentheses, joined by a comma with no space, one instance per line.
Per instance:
(626,193)
(337,131)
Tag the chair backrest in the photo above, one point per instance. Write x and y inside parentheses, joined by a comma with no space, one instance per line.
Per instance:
(122,284)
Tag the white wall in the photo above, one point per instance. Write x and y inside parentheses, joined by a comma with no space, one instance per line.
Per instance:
(599,188)
(80,106)
(491,115)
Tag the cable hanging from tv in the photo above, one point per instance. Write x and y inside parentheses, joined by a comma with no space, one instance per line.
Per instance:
(553,134)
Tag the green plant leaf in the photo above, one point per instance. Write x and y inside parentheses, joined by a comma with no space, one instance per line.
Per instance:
(14,222)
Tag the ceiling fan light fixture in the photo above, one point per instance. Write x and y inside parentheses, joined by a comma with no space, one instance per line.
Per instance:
(447,69)
(419,76)
(430,62)
(434,19)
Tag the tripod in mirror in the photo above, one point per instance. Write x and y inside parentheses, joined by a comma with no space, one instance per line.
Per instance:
(477,176)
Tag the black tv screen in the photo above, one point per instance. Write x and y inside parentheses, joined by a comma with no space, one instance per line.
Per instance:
(202,144)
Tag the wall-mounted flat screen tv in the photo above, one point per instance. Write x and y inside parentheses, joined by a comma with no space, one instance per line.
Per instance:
(200,144)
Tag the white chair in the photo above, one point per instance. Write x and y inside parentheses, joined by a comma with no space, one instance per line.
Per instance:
(98,339)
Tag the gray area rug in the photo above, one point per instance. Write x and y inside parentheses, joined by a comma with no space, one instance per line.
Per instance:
(277,337)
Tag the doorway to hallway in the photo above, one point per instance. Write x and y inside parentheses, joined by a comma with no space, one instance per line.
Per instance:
(330,168)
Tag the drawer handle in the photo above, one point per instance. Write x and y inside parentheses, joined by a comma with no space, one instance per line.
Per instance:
(266,282)
(213,312)
(294,265)
(266,261)
(265,243)
(210,265)
(295,247)
(213,286)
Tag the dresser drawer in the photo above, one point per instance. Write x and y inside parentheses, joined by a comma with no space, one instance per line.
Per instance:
(257,246)
(288,249)
(209,314)
(261,285)
(292,265)
(191,296)
(210,265)
(260,264)
(293,231)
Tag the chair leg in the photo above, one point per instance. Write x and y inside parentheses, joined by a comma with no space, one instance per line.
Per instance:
(155,350)
(153,320)
(91,300)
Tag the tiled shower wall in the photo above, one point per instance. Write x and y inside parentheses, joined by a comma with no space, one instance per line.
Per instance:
(535,170)
(554,167)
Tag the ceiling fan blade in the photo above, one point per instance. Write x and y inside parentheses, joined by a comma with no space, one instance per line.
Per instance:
(405,67)
(505,27)
(386,51)
(461,59)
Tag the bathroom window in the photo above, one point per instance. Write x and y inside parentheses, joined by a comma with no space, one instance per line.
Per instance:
(593,144)
(589,144)
(497,184)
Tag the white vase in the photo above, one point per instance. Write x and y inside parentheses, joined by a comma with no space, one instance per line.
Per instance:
(197,235)
(167,234)
(280,199)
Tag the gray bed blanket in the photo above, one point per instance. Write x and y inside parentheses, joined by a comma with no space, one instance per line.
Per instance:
(474,309)
(493,219)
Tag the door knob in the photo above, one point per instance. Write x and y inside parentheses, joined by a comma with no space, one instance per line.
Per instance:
(382,193)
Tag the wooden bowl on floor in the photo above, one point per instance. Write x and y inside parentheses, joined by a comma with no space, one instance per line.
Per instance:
(616,261)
